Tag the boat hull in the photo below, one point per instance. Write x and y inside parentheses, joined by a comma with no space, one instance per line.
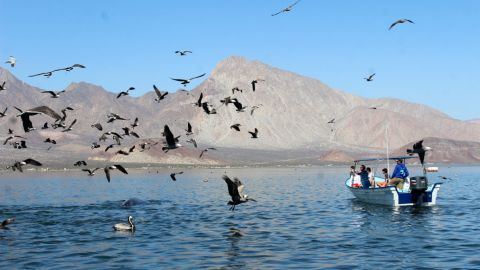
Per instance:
(391,196)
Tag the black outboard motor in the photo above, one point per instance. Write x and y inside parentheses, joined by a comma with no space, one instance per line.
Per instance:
(418,186)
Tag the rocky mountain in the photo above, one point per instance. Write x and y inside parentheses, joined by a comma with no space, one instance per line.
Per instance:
(292,117)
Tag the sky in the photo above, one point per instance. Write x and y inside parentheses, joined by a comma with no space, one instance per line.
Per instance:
(132,43)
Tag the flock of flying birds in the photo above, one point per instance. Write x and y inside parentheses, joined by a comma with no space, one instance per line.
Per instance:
(171,142)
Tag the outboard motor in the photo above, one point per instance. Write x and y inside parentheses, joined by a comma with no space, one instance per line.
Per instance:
(418,186)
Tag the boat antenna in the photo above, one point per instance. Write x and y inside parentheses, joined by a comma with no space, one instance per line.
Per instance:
(388,154)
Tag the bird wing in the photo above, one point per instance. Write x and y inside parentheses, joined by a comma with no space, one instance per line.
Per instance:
(107,173)
(418,145)
(108,147)
(39,74)
(79,66)
(200,99)
(294,4)
(189,127)
(95,170)
(275,14)
(131,148)
(26,122)
(393,24)
(49,92)
(168,135)
(73,123)
(232,187)
(407,20)
(32,162)
(240,186)
(201,153)
(197,76)
(180,80)
(238,105)
(46,110)
(121,94)
(121,168)
(134,134)
(172,175)
(159,94)
(87,170)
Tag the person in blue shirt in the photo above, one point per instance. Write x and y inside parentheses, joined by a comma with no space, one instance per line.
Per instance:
(364,177)
(400,173)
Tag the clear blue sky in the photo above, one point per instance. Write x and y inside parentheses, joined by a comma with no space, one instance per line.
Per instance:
(131,43)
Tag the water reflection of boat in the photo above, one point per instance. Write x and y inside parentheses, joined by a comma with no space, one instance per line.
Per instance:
(416,190)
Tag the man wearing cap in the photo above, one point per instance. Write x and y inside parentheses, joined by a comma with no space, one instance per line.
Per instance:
(398,175)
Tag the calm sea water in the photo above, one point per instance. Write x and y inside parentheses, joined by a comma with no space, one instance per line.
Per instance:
(304,218)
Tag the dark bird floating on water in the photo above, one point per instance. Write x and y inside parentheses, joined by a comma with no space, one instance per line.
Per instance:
(189,129)
(12,61)
(235,189)
(19,164)
(287,9)
(25,116)
(125,93)
(80,163)
(255,107)
(254,133)
(192,141)
(125,227)
(254,82)
(172,175)
(6,222)
(445,178)
(3,114)
(369,78)
(171,141)
(50,73)
(399,21)
(420,150)
(70,127)
(182,53)
(160,96)
(54,94)
(184,82)
(113,167)
(90,172)
(236,127)
(206,150)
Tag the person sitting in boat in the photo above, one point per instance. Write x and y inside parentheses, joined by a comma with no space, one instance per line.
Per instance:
(385,175)
(399,174)
(355,178)
(371,177)
(364,177)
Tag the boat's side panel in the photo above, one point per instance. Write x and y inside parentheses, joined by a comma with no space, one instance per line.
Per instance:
(384,196)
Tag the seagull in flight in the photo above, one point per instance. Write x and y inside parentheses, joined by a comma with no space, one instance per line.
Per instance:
(206,150)
(331,121)
(400,21)
(254,82)
(12,61)
(25,116)
(125,93)
(369,78)
(206,108)
(2,86)
(192,141)
(53,94)
(182,53)
(287,9)
(254,108)
(189,129)
(50,73)
(4,113)
(113,167)
(236,127)
(19,164)
(420,150)
(254,133)
(184,82)
(171,142)
(172,175)
(235,189)
(90,172)
(160,96)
